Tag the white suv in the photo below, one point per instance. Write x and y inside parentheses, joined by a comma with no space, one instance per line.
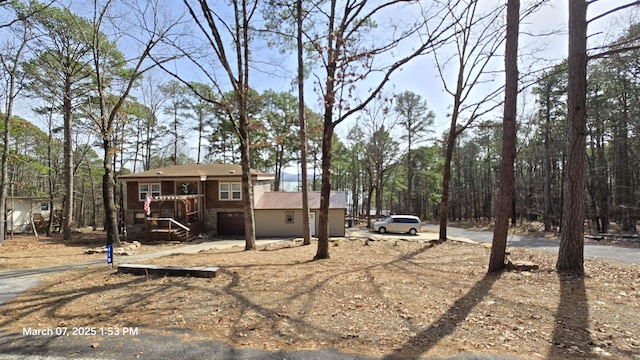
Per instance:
(399,224)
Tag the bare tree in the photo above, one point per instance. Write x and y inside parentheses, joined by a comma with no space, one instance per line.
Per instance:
(476,41)
(505,189)
(234,57)
(347,59)
(115,76)
(148,129)
(381,150)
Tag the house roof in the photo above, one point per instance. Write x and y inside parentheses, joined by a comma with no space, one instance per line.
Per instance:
(200,171)
(293,200)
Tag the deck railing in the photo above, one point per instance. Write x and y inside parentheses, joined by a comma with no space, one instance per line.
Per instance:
(172,227)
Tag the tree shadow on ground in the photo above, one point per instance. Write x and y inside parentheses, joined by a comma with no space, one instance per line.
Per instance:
(246,304)
(571,336)
(447,323)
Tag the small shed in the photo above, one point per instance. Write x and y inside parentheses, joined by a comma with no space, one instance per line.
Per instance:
(279,213)
(26,213)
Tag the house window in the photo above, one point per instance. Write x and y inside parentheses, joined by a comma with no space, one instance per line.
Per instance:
(230,191)
(288,217)
(152,189)
(44,206)
(187,188)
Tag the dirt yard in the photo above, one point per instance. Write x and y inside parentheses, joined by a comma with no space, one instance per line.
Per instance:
(28,251)
(379,298)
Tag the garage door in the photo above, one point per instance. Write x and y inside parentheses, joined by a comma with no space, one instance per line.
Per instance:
(231,223)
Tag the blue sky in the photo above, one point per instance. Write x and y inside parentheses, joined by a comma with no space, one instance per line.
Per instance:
(420,76)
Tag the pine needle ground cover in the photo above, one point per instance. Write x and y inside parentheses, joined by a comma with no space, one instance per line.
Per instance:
(378,298)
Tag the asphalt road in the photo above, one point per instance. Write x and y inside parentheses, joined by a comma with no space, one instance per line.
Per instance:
(595,251)
(153,344)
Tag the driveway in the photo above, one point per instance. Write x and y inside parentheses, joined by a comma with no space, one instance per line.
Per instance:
(360,232)
(13,282)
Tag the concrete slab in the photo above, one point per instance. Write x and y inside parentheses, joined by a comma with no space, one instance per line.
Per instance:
(159,270)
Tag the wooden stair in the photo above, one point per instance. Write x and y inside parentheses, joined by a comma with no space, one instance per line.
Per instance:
(174,231)
(182,235)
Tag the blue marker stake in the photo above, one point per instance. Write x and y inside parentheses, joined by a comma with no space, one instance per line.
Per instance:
(110,254)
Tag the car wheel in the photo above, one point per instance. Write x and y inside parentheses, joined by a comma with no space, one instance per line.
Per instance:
(382,230)
(413,231)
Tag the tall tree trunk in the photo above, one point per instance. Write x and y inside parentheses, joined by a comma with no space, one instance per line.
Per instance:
(446,179)
(200,135)
(571,252)
(245,128)
(108,185)
(52,210)
(279,159)
(547,161)
(303,128)
(603,186)
(81,207)
(354,189)
(379,203)
(505,189)
(325,189)
(94,204)
(67,212)
(409,204)
(175,134)
(247,194)
(4,180)
(623,184)
(327,136)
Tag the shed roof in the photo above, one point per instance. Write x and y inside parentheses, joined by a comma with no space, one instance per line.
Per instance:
(293,200)
(196,171)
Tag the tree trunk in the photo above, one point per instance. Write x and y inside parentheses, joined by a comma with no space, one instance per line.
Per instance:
(67,212)
(378,186)
(245,129)
(303,129)
(50,181)
(505,189)
(175,134)
(446,179)
(622,178)
(108,185)
(571,252)
(94,204)
(409,203)
(327,136)
(247,194)
(325,190)
(200,134)
(370,191)
(547,161)
(4,179)
(603,187)
(81,207)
